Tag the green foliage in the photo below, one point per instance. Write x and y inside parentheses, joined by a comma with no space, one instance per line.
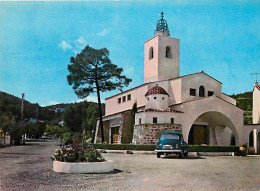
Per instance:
(92,71)
(55,130)
(11,105)
(81,116)
(200,148)
(191,148)
(245,102)
(73,119)
(67,138)
(124,147)
(34,130)
(90,120)
(133,111)
(8,124)
(72,153)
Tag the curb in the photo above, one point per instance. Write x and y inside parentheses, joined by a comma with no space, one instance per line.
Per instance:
(154,153)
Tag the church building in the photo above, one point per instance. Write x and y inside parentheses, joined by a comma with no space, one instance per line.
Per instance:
(192,104)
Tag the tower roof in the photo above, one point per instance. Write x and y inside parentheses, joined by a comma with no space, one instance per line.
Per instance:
(156,90)
(162,26)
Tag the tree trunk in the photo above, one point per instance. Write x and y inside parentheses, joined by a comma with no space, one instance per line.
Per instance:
(100,110)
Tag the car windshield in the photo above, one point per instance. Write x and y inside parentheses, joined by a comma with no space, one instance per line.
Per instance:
(169,136)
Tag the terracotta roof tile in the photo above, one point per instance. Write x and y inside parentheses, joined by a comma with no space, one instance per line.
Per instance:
(156,90)
(258,87)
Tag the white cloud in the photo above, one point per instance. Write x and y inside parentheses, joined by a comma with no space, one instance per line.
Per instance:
(90,99)
(80,42)
(65,45)
(104,32)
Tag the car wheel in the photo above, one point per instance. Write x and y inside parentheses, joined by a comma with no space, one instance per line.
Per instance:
(180,155)
(158,155)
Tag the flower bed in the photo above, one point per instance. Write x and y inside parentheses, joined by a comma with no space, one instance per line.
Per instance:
(80,159)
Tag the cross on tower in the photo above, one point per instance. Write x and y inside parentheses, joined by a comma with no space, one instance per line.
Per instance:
(162,14)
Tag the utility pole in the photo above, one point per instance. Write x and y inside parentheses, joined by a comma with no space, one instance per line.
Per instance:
(22,107)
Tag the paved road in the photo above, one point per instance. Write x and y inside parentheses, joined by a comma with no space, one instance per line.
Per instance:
(29,168)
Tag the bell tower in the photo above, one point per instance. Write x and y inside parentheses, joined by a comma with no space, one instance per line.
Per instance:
(161,54)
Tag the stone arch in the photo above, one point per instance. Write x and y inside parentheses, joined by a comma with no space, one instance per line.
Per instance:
(212,128)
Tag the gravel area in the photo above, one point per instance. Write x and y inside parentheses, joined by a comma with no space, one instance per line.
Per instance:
(29,167)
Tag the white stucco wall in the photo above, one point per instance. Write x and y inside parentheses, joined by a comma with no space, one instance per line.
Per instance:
(151,65)
(228,99)
(256,106)
(157,101)
(196,80)
(159,67)
(168,67)
(162,117)
(137,95)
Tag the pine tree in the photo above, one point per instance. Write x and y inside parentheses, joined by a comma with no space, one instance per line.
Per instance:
(92,71)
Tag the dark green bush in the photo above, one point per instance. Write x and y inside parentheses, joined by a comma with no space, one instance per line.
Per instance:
(200,148)
(191,148)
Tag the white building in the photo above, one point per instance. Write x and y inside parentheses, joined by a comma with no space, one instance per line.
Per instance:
(193,104)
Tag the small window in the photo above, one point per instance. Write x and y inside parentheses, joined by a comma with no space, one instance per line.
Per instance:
(192,92)
(154,97)
(162,98)
(151,53)
(210,93)
(148,98)
(129,97)
(154,119)
(172,120)
(201,91)
(119,100)
(124,98)
(140,121)
(168,52)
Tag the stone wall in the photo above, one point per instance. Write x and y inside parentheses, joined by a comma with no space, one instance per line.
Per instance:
(106,132)
(149,134)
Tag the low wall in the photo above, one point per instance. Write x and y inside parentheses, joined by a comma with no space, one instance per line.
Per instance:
(83,167)
(149,133)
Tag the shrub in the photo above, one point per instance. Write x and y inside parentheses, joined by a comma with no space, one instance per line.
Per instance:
(67,138)
(70,153)
(191,148)
(243,149)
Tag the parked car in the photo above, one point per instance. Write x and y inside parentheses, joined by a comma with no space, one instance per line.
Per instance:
(171,142)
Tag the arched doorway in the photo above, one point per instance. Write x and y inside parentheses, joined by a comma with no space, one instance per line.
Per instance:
(212,128)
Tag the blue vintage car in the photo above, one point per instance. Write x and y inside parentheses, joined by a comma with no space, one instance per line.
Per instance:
(171,142)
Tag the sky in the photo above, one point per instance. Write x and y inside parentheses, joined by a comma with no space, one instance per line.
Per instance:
(38,38)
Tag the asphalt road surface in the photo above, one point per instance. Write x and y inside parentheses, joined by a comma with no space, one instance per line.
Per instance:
(29,167)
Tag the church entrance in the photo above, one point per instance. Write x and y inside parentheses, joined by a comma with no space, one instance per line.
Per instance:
(198,135)
(212,128)
(114,135)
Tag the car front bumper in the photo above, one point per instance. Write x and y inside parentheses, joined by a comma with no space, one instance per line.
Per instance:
(167,151)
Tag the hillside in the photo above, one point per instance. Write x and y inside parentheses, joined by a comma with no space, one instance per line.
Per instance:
(245,102)
(12,105)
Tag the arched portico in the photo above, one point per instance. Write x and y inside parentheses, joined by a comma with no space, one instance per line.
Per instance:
(212,128)
(222,117)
